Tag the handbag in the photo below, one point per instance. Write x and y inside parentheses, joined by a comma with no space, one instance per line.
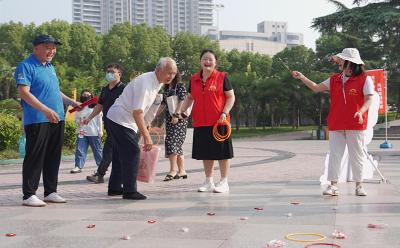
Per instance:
(148,162)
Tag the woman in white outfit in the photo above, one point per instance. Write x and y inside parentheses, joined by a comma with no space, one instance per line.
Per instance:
(351,94)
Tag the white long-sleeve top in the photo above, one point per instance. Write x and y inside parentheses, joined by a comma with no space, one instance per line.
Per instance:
(94,127)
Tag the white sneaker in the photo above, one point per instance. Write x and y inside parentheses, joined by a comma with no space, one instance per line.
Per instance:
(331,190)
(221,187)
(360,191)
(76,170)
(54,198)
(33,201)
(207,187)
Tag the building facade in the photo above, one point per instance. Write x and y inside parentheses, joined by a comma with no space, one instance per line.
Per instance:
(270,38)
(173,15)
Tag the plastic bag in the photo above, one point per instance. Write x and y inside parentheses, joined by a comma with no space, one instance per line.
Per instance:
(147,164)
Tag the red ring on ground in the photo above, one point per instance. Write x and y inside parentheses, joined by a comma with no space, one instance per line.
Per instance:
(91,226)
(151,221)
(324,244)
(11,234)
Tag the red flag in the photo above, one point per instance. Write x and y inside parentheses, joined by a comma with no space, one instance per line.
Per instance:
(379,78)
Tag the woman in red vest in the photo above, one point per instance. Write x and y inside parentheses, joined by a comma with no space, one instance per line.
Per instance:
(350,96)
(212,97)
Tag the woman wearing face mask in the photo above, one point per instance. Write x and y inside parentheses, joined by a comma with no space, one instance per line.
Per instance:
(351,94)
(212,97)
(88,134)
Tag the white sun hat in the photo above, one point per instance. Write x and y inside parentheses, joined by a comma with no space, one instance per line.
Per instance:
(352,55)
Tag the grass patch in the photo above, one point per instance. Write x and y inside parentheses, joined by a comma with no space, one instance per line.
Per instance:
(259,131)
(13,154)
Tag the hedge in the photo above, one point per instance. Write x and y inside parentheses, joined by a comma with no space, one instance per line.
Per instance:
(10,130)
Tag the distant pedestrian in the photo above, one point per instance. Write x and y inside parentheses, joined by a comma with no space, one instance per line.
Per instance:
(125,119)
(108,95)
(212,97)
(351,94)
(87,134)
(43,116)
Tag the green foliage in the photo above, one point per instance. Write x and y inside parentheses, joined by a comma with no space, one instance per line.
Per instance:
(70,134)
(9,131)
(11,106)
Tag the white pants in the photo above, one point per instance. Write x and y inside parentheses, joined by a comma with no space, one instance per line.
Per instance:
(337,144)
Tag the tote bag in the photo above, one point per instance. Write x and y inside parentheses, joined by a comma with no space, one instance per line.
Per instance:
(172,102)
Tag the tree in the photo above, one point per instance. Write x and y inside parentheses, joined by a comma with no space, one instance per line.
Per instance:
(13,42)
(7,83)
(85,48)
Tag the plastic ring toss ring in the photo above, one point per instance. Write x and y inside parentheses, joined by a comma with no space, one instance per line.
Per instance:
(291,236)
(322,244)
(222,137)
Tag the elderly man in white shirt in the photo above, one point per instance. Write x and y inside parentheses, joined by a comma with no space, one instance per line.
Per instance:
(126,119)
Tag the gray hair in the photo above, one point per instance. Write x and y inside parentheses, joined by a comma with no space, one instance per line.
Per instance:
(163,62)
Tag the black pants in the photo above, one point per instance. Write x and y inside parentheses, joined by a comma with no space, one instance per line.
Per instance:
(125,158)
(43,153)
(107,153)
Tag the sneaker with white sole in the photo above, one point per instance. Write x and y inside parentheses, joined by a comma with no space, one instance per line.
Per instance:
(360,191)
(221,187)
(206,187)
(33,201)
(331,190)
(54,198)
(76,170)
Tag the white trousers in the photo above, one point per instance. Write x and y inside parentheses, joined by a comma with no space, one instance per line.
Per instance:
(357,158)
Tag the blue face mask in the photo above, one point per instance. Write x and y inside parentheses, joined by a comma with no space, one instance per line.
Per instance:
(110,77)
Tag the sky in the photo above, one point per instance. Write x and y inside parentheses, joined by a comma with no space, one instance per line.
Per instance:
(237,15)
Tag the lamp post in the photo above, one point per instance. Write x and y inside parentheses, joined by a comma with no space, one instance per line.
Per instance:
(217,8)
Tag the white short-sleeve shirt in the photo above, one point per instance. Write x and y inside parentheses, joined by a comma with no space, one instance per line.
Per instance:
(368,89)
(138,94)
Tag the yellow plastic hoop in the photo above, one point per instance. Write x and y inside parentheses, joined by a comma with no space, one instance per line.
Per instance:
(290,237)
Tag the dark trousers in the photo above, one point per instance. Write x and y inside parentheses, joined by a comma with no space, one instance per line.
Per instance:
(43,153)
(107,153)
(125,158)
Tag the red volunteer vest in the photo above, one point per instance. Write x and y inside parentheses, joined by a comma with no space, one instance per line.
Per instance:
(346,100)
(209,98)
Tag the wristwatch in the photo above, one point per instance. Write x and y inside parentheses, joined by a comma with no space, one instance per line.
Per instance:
(177,115)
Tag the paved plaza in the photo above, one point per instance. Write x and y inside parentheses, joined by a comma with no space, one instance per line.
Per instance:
(269,174)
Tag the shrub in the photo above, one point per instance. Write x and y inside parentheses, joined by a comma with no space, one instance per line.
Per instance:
(70,134)
(11,106)
(10,130)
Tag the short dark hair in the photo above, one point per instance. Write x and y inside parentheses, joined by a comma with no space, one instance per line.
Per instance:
(208,51)
(356,69)
(86,90)
(114,66)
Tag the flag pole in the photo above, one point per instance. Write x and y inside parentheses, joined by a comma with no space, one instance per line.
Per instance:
(386,144)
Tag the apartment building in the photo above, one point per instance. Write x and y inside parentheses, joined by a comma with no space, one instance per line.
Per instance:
(173,15)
